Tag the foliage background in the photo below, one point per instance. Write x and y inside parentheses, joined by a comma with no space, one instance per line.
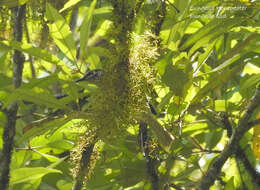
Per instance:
(195,62)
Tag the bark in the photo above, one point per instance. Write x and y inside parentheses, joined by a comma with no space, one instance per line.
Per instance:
(11,112)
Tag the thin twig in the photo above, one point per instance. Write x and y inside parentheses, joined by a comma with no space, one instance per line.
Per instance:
(207,151)
(177,10)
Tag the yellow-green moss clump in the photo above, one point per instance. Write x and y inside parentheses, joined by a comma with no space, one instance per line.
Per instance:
(143,54)
(123,90)
(82,167)
(122,93)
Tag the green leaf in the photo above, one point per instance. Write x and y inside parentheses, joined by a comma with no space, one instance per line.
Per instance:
(64,185)
(230,184)
(201,33)
(164,62)
(165,100)
(204,57)
(255,61)
(100,32)
(72,90)
(226,63)
(102,181)
(22,175)
(41,82)
(251,68)
(85,28)
(3,52)
(69,4)
(212,139)
(49,157)
(99,51)
(216,81)
(61,33)
(103,10)
(253,80)
(254,44)
(179,26)
(42,128)
(5,81)
(32,185)
(216,32)
(195,128)
(12,3)
(20,157)
(233,55)
(178,77)
(31,50)
(131,173)
(41,98)
(220,105)
(59,161)
(209,32)
(61,144)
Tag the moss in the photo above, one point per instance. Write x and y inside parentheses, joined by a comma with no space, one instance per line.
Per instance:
(5,14)
(128,79)
(124,89)
(84,166)
(141,70)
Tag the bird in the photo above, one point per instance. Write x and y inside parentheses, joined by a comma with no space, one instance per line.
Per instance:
(92,76)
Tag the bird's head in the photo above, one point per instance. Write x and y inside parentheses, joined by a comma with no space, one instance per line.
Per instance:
(92,76)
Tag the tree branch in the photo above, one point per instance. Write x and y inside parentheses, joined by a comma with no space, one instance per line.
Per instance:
(232,146)
(240,154)
(164,138)
(84,166)
(159,17)
(11,112)
(150,162)
(253,123)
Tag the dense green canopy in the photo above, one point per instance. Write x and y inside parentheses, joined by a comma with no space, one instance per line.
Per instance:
(174,106)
